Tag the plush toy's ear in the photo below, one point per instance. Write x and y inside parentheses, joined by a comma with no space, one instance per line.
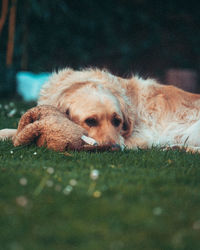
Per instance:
(29,117)
(27,134)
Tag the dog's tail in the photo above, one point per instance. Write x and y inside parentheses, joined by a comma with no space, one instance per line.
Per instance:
(7,133)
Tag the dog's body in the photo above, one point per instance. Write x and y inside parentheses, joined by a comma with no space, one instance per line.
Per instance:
(135,112)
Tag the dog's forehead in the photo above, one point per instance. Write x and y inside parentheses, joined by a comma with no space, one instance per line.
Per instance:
(94,94)
(93,101)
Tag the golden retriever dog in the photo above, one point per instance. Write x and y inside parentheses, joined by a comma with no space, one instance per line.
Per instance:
(133,112)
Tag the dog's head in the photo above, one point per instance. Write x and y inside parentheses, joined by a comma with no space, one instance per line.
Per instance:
(96,103)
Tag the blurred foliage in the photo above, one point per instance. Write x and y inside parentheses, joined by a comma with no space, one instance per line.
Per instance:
(144,36)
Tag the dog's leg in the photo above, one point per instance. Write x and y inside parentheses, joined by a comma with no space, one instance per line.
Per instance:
(7,133)
(191,149)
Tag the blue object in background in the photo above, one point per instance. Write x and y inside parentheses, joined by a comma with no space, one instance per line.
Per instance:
(29,84)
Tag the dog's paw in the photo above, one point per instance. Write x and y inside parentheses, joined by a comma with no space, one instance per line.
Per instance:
(7,133)
(191,149)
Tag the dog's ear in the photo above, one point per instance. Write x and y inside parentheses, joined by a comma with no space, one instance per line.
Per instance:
(127,126)
(128,113)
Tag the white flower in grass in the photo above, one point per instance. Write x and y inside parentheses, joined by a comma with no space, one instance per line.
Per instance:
(35,153)
(50,170)
(21,201)
(12,113)
(23,181)
(67,190)
(94,175)
(11,151)
(49,183)
(73,182)
(157,211)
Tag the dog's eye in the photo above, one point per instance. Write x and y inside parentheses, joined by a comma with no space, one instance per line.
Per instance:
(91,122)
(116,122)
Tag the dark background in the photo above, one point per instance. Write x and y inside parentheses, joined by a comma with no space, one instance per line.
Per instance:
(141,36)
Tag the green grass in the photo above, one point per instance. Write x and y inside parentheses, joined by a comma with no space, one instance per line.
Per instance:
(147,199)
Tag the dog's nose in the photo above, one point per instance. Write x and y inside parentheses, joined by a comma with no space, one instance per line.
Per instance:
(115,147)
(118,147)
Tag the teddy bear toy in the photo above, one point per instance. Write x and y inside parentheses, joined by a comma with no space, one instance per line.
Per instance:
(47,126)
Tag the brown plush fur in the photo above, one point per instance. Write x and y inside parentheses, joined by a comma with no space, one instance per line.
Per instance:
(48,127)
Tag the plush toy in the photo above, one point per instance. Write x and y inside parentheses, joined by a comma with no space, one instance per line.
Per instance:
(48,127)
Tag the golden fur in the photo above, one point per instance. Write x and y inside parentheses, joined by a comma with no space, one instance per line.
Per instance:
(135,112)
(91,94)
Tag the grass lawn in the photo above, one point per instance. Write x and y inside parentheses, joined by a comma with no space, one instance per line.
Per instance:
(147,199)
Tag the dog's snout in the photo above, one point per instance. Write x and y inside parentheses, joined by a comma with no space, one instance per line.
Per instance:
(108,142)
(111,143)
(116,147)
